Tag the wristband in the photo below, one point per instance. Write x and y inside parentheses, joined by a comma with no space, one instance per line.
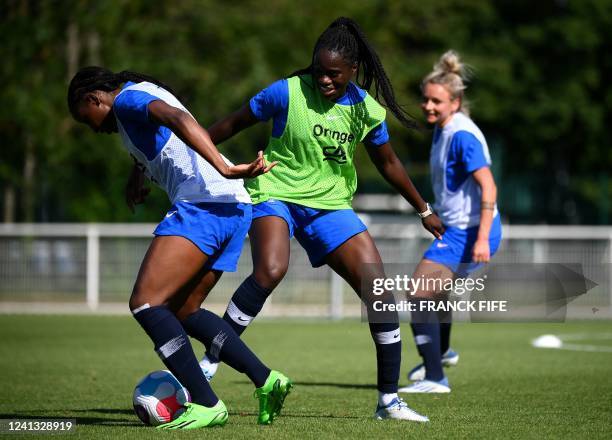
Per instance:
(427,211)
(487,205)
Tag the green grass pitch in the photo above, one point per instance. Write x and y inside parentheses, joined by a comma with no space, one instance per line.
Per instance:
(85,368)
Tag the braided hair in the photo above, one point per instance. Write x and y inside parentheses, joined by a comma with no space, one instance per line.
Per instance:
(91,78)
(345,37)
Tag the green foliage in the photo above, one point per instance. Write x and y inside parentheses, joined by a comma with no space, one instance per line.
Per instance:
(539,91)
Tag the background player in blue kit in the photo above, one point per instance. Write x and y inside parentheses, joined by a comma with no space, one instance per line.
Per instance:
(319,118)
(466,195)
(200,237)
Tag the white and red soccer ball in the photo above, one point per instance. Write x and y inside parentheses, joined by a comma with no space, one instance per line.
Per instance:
(159,398)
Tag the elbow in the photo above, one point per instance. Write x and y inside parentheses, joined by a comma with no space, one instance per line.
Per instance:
(392,167)
(180,118)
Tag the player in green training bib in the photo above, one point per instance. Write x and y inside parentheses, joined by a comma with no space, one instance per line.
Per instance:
(319,117)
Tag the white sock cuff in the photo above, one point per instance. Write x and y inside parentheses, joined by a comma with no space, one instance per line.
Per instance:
(387,337)
(141,308)
(422,339)
(384,399)
(237,315)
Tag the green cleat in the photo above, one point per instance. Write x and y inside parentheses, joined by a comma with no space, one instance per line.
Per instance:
(272,396)
(198,416)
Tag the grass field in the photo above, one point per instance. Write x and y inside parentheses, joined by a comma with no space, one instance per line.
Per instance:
(85,368)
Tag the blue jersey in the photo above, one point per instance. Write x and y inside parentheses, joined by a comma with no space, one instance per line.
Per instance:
(273,102)
(165,158)
(458,149)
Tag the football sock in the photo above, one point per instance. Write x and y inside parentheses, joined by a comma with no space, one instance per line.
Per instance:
(223,343)
(246,303)
(173,347)
(445,319)
(388,343)
(426,330)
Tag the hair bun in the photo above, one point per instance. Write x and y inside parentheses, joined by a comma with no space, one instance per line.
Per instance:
(450,63)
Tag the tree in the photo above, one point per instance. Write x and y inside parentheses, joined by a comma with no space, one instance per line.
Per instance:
(539,91)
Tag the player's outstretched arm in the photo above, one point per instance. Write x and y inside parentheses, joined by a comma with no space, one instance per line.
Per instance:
(196,137)
(232,124)
(390,167)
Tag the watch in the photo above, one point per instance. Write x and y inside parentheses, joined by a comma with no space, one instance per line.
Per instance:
(428,211)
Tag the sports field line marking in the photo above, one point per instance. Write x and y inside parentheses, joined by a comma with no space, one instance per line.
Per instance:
(591,348)
(563,345)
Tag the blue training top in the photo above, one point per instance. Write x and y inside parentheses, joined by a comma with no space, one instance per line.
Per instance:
(458,149)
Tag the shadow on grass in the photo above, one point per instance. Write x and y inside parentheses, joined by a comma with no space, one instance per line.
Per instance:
(351,386)
(106,410)
(106,421)
(291,415)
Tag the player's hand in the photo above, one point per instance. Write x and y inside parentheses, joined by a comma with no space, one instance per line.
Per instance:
(434,225)
(253,169)
(135,191)
(481,252)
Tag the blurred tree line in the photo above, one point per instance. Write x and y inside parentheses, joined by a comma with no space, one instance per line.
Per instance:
(540,92)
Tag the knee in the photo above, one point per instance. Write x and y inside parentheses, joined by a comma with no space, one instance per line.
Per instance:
(139,297)
(135,302)
(269,274)
(186,311)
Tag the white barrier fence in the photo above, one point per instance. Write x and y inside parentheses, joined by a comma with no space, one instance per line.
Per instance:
(91,267)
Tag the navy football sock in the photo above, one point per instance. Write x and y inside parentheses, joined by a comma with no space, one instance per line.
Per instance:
(445,331)
(247,301)
(223,343)
(173,347)
(388,355)
(426,330)
(245,304)
(445,319)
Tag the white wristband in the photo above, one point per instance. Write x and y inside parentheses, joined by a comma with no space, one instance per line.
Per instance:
(427,211)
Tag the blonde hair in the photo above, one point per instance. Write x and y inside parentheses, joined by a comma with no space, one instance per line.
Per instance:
(451,73)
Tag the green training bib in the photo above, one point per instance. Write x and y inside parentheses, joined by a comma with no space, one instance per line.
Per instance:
(316,150)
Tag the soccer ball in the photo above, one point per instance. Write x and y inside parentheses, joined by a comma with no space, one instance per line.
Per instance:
(159,398)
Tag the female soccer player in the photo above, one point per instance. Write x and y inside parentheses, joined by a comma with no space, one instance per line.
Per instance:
(200,237)
(466,202)
(319,117)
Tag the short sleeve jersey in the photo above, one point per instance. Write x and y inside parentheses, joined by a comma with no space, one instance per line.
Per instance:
(163,156)
(458,149)
(314,141)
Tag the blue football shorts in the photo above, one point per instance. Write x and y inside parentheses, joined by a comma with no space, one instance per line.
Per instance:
(217,229)
(455,249)
(319,231)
